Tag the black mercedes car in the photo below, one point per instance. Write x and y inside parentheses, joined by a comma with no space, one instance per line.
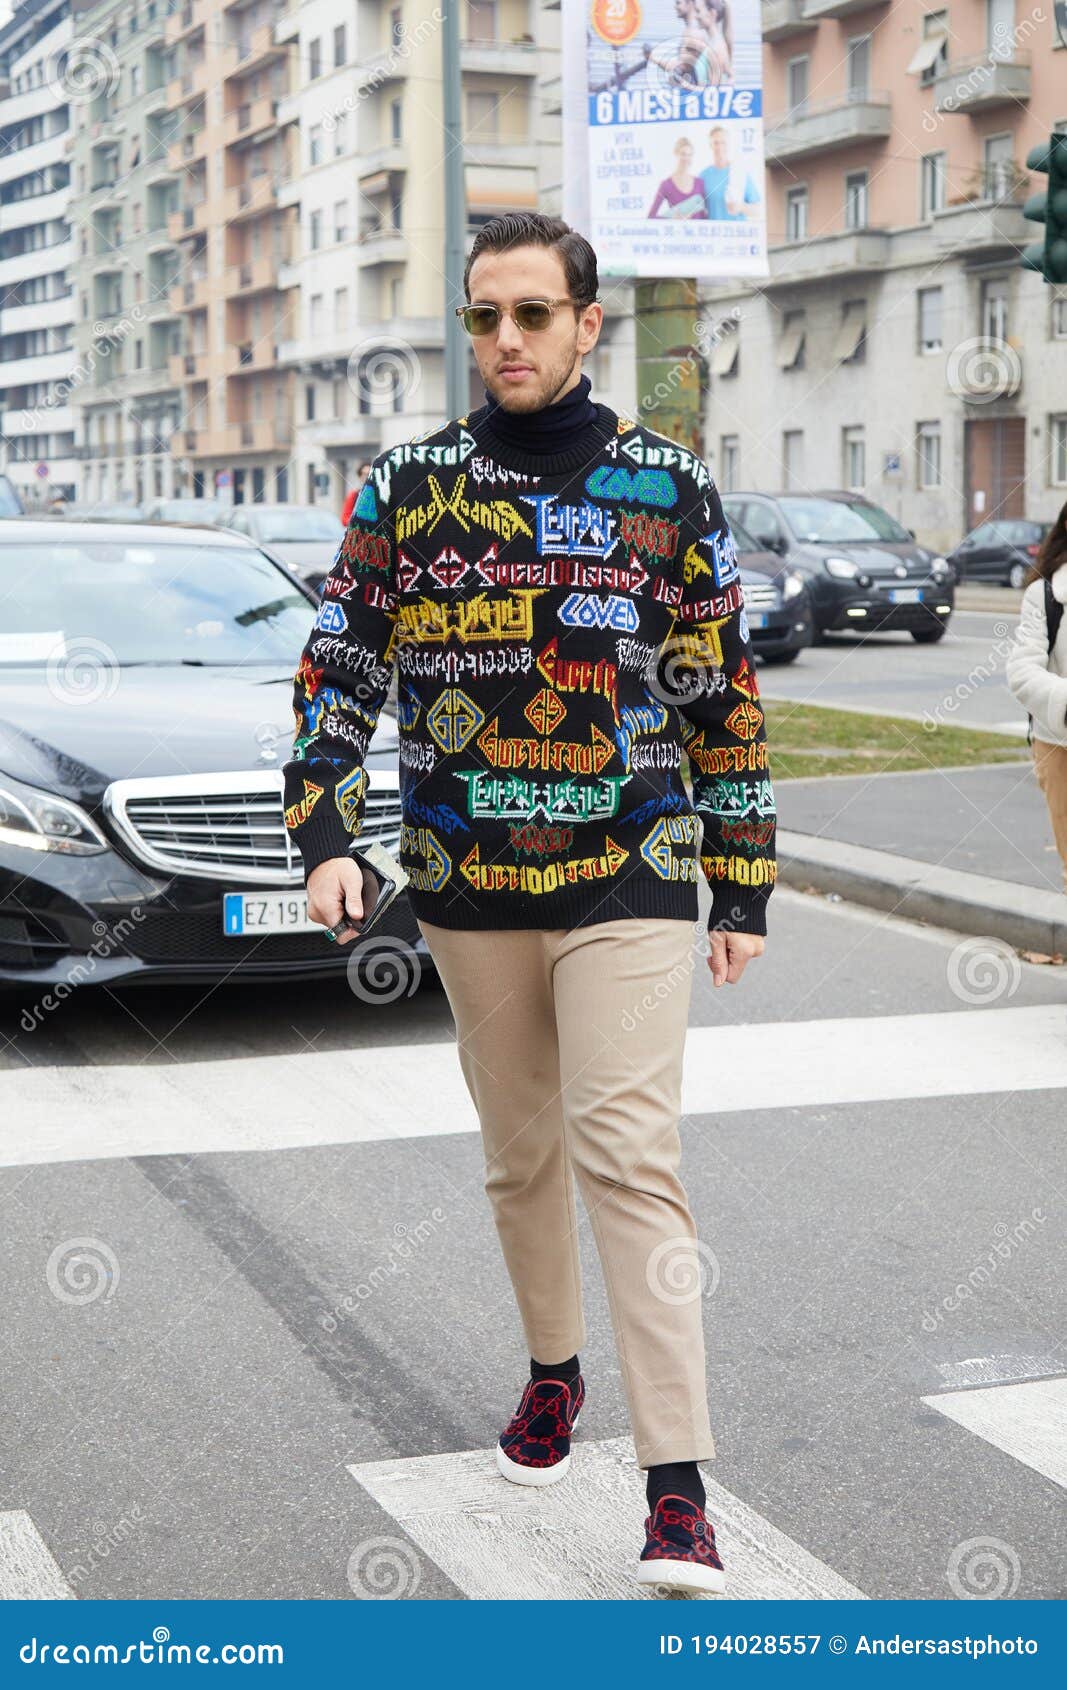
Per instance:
(777,601)
(146,681)
(863,569)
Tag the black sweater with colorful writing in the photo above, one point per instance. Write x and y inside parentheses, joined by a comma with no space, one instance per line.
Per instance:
(564,624)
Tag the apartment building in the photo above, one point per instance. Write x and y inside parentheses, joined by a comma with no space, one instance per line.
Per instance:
(231,75)
(367,348)
(897,347)
(127,401)
(36,298)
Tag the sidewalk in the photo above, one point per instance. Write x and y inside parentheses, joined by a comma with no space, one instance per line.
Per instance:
(970,849)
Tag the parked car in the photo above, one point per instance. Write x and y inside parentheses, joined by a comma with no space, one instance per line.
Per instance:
(999,551)
(115,511)
(863,569)
(207,511)
(777,601)
(145,712)
(10,498)
(305,537)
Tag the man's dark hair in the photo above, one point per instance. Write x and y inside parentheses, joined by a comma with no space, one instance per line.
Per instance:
(533,228)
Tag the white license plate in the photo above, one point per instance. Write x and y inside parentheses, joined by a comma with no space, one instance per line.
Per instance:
(251,914)
(905,595)
(758,619)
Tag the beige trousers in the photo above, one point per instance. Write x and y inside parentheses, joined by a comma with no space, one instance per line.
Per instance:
(571,1043)
(1050,767)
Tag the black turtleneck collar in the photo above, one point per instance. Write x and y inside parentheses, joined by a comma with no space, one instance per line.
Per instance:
(557,436)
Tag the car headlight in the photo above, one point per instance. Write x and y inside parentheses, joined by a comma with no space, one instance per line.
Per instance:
(941,566)
(792,584)
(843,567)
(42,822)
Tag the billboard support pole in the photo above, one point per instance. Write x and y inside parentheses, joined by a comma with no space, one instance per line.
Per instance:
(670,367)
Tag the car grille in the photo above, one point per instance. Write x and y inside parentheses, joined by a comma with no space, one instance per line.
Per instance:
(230,826)
(760,595)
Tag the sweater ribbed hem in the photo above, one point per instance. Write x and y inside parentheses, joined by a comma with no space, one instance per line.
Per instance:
(572,906)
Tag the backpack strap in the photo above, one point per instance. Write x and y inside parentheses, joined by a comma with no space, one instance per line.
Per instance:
(1053,613)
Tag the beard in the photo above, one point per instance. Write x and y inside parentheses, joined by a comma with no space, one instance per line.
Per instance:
(539,389)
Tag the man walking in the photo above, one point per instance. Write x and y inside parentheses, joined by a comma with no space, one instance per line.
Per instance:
(559,590)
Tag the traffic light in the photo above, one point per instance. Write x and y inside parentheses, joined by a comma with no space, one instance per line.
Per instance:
(1049,257)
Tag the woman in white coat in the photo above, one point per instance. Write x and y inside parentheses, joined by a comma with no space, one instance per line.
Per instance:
(1038,677)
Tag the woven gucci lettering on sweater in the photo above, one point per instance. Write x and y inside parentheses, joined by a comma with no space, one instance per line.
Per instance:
(563,626)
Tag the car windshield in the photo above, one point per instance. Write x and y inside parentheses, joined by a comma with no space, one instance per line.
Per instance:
(112,603)
(281,525)
(1020,533)
(838,520)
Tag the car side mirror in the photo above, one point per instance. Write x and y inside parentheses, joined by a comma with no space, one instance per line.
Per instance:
(911,532)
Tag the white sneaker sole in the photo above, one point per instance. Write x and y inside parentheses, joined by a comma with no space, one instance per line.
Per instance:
(520,1475)
(683,1575)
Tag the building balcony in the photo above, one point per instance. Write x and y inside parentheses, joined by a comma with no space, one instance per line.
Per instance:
(105,196)
(422,334)
(42,261)
(266,435)
(822,126)
(42,367)
(827,258)
(991,225)
(45,314)
(251,358)
(37,208)
(188,18)
(189,220)
(382,68)
(253,51)
(381,246)
(981,83)
(23,161)
(157,239)
(190,295)
(478,149)
(250,121)
(499,58)
(187,149)
(250,199)
(819,9)
(780,19)
(255,275)
(317,351)
(187,366)
(381,161)
(159,309)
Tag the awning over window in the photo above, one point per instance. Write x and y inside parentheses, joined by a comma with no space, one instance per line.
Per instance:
(926,54)
(724,356)
(850,333)
(790,347)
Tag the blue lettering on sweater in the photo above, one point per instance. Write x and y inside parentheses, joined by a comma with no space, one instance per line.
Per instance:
(578,530)
(591,610)
(331,618)
(641,486)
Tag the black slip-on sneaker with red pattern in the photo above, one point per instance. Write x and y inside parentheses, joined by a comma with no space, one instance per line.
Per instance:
(535,1446)
(680,1549)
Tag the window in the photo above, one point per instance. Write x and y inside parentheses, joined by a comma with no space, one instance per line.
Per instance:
(1059,318)
(309,402)
(340,315)
(930,330)
(340,47)
(856,200)
(340,221)
(928,454)
(850,344)
(729,462)
(1057,456)
(340,135)
(396,298)
(396,120)
(796,214)
(998,160)
(481,20)
(315,144)
(858,67)
(796,85)
(315,231)
(853,459)
(315,315)
(930,59)
(396,26)
(995,309)
(932,168)
(314,59)
(483,115)
(791,345)
(396,208)
(792,458)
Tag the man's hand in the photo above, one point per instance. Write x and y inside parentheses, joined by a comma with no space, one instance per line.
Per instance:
(730,952)
(335,888)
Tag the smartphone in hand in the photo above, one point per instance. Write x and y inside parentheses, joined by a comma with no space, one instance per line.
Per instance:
(383,880)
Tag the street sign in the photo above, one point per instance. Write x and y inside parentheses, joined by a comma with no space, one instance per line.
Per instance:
(42,471)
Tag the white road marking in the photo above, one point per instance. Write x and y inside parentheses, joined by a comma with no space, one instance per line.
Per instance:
(275,1102)
(579,1539)
(1028,1422)
(27,1571)
(996,1370)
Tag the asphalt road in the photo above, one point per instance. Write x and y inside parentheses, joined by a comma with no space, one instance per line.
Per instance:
(959,681)
(274,1365)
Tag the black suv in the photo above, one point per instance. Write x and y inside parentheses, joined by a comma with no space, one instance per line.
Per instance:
(863,570)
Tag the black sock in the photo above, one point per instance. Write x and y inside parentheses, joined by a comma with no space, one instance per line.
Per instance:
(675,1478)
(568,1371)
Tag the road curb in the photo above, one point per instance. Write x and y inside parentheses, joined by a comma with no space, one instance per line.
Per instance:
(1021,916)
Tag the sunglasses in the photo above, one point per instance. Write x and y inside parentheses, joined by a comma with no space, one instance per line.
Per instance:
(529,315)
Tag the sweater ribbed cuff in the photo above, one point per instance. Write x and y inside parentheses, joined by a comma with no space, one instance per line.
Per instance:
(320,838)
(739,909)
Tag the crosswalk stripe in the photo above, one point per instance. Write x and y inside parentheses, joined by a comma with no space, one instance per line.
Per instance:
(274,1101)
(576,1540)
(27,1571)
(1028,1422)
